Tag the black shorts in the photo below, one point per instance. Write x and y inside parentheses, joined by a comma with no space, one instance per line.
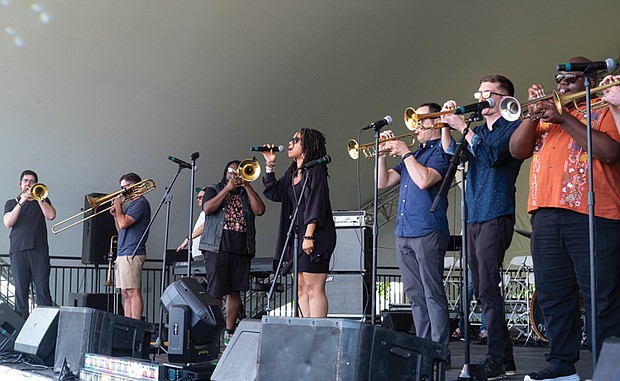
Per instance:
(227,272)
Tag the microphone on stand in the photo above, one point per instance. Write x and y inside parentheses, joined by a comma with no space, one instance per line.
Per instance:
(323,160)
(180,162)
(386,121)
(587,67)
(489,103)
(279,148)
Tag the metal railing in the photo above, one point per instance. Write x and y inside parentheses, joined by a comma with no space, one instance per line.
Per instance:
(69,277)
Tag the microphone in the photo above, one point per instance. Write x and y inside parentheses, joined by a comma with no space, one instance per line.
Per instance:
(474,107)
(279,148)
(588,67)
(180,162)
(386,121)
(324,160)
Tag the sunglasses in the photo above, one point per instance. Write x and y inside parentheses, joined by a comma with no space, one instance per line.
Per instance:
(568,78)
(295,140)
(486,94)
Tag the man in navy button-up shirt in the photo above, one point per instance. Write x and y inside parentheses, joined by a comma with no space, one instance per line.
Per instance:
(490,196)
(421,236)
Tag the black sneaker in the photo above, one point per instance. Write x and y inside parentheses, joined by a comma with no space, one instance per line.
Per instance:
(555,372)
(510,367)
(494,370)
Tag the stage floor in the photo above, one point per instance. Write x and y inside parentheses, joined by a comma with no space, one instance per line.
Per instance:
(528,359)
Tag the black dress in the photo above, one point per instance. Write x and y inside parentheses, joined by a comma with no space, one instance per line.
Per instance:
(315,207)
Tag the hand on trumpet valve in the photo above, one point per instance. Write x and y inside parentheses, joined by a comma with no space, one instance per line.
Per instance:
(611,95)
(234,182)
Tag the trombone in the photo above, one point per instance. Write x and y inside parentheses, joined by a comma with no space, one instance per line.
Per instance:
(511,109)
(38,192)
(113,246)
(132,191)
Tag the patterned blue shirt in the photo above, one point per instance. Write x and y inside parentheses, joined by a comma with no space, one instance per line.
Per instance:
(492,172)
(414,216)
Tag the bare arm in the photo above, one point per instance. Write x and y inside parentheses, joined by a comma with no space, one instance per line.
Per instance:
(386,177)
(422,176)
(48,210)
(121,220)
(257,204)
(213,204)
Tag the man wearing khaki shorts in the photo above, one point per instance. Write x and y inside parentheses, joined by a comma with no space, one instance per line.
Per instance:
(131,225)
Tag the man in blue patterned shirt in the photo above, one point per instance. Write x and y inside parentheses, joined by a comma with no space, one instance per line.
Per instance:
(490,197)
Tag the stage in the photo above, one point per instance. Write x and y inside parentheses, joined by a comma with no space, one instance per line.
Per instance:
(528,359)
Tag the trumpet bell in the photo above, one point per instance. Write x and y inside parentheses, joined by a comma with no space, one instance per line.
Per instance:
(38,191)
(411,118)
(353,149)
(510,109)
(249,170)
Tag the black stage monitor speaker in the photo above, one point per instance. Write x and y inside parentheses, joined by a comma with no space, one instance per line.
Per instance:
(608,364)
(87,330)
(397,321)
(102,302)
(241,355)
(10,325)
(96,235)
(353,250)
(401,356)
(38,335)
(192,315)
(348,295)
(314,349)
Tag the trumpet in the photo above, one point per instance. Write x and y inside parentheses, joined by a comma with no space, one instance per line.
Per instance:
(369,150)
(511,109)
(113,245)
(132,191)
(38,192)
(248,170)
(412,119)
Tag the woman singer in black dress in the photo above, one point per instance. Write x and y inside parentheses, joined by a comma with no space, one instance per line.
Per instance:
(316,232)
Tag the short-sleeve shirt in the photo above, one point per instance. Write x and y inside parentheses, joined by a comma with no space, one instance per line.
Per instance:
(140,210)
(30,230)
(414,216)
(559,170)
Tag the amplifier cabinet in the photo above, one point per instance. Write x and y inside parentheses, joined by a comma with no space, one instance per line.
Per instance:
(353,252)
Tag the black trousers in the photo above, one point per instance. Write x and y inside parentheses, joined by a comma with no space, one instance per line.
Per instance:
(560,251)
(487,243)
(31,266)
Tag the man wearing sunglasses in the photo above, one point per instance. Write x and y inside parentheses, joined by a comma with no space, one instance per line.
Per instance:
(228,240)
(490,195)
(559,204)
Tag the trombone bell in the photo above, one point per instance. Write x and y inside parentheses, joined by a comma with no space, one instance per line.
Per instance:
(38,191)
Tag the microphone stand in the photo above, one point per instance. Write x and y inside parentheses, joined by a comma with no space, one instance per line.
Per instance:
(289,233)
(591,202)
(458,160)
(375,231)
(190,243)
(166,198)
